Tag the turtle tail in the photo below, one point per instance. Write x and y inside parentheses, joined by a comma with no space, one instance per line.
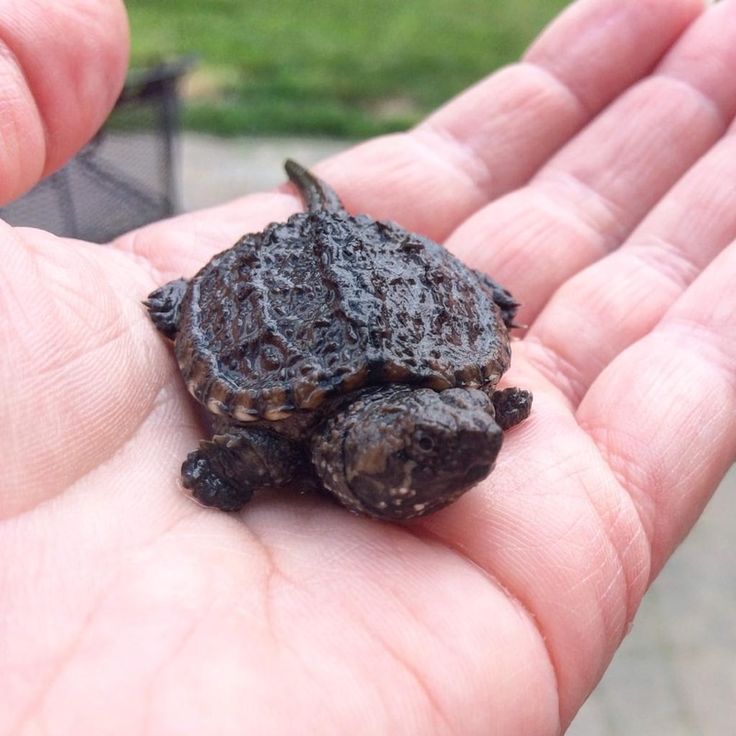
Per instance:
(317,195)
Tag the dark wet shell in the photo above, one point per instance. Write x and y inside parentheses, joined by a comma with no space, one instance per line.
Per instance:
(326,303)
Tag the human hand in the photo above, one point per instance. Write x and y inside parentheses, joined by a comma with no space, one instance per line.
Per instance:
(598,191)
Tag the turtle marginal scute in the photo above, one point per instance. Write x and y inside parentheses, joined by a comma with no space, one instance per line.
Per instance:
(215,406)
(244,413)
(397,373)
(438,383)
(355,380)
(275,415)
(310,396)
(469,375)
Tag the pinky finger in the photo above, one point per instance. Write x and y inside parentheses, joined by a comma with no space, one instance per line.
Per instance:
(664,412)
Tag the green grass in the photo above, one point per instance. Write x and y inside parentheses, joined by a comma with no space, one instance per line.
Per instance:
(330,67)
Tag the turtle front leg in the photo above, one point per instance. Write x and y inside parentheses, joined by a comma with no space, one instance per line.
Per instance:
(226,470)
(511,405)
(164,306)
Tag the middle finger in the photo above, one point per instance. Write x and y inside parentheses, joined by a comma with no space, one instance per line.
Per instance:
(590,196)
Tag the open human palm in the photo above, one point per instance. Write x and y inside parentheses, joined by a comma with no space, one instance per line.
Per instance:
(596,181)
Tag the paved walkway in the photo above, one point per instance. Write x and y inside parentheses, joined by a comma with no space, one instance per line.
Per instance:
(675,674)
(217,169)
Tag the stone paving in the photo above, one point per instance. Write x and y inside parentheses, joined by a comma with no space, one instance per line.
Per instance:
(675,674)
(215,170)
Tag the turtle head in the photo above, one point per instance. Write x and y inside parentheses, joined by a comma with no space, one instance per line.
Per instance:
(399,452)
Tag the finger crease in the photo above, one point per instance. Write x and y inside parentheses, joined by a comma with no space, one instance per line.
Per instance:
(599,213)
(468,162)
(558,370)
(607,527)
(621,466)
(664,258)
(705,99)
(715,344)
(586,110)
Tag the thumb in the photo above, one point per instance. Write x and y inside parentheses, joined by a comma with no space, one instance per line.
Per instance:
(62,65)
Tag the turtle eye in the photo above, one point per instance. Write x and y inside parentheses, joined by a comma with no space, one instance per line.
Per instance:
(424,442)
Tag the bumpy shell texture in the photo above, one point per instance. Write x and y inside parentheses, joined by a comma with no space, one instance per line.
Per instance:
(327,303)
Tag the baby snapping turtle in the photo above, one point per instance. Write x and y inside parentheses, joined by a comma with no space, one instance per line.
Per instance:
(344,350)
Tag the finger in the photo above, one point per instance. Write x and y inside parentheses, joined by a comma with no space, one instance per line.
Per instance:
(488,140)
(591,195)
(617,300)
(80,365)
(663,414)
(61,68)
(493,137)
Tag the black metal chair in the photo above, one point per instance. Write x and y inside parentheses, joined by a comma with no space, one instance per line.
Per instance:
(126,176)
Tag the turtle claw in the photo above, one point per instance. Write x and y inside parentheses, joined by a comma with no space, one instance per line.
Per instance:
(164,306)
(209,487)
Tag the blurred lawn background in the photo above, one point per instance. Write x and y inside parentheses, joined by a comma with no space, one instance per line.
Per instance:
(329,67)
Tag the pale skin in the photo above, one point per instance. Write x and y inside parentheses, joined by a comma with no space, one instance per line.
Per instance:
(596,181)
